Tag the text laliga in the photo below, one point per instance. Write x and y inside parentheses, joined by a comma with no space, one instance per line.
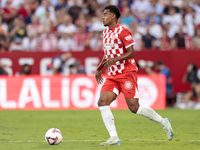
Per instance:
(71,94)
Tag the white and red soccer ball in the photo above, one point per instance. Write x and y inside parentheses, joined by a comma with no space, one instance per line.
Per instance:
(53,136)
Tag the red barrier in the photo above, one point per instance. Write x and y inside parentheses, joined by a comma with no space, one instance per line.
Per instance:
(71,92)
(176,60)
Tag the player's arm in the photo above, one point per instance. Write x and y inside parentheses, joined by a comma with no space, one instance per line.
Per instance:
(98,76)
(101,65)
(129,54)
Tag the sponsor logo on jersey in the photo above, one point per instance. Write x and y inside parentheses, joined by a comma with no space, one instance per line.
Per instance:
(109,45)
(128,38)
(128,85)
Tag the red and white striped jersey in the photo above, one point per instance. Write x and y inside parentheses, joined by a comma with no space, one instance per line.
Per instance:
(115,42)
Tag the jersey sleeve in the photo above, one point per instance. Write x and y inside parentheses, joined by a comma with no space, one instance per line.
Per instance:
(126,38)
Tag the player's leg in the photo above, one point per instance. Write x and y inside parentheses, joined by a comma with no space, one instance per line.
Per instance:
(105,100)
(145,111)
(148,112)
(130,90)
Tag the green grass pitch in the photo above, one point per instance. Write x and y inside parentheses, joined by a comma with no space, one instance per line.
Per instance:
(84,130)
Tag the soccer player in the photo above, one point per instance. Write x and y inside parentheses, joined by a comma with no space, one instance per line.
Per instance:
(118,56)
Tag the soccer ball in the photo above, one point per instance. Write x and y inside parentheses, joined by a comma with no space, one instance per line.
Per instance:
(53,136)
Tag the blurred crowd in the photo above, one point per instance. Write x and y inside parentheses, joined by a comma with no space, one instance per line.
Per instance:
(76,25)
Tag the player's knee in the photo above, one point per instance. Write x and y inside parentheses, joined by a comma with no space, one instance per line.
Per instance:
(102,102)
(134,108)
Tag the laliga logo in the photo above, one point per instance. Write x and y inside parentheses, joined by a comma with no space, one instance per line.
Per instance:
(128,38)
(148,91)
(128,85)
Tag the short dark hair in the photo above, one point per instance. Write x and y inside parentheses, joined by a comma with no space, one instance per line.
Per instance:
(114,9)
(159,63)
(194,67)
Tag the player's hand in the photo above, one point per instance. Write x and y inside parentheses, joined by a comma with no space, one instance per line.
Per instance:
(109,62)
(98,77)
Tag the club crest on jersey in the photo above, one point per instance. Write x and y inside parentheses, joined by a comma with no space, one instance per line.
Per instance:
(128,85)
(128,38)
(113,37)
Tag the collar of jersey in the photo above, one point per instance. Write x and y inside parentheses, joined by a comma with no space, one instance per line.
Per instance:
(115,27)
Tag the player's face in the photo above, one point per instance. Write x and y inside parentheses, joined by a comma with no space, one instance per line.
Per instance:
(107,17)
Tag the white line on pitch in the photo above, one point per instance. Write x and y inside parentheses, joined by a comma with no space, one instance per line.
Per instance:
(34,141)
